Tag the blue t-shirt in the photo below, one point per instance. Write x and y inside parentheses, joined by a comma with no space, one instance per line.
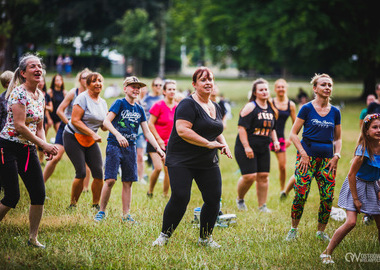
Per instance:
(370,169)
(318,131)
(127,120)
(147,103)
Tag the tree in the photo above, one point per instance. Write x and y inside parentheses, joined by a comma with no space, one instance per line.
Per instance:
(137,37)
(301,37)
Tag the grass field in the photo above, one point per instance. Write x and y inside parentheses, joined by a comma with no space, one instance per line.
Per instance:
(74,241)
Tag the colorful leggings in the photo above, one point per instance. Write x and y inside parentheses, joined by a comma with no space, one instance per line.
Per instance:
(326,184)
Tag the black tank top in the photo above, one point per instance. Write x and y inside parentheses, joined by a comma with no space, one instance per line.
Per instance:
(57,99)
(282,117)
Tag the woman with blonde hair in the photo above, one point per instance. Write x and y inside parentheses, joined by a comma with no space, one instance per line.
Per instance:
(21,134)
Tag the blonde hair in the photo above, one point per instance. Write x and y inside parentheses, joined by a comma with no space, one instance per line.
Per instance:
(79,76)
(280,81)
(17,78)
(6,77)
(316,77)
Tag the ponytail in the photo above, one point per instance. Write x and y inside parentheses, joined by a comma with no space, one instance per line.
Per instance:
(13,83)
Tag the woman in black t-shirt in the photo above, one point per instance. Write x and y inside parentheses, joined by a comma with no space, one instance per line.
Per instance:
(192,154)
(256,127)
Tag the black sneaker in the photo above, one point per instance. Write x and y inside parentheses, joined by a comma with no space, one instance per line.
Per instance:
(96,206)
(283,196)
(149,195)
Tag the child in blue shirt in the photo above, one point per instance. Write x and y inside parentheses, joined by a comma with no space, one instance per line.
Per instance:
(360,192)
(123,120)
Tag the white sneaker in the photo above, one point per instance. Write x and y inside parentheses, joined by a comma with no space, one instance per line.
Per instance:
(208,242)
(241,205)
(264,209)
(162,240)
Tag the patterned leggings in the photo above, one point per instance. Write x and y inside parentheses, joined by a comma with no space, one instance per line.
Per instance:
(326,184)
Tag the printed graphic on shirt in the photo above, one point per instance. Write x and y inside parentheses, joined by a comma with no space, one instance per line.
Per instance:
(266,128)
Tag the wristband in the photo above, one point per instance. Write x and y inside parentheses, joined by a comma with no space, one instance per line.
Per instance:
(338,155)
(277,142)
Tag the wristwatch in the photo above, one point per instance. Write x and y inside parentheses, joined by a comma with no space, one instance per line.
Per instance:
(338,155)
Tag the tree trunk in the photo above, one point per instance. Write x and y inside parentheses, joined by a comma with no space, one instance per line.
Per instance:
(161,69)
(369,82)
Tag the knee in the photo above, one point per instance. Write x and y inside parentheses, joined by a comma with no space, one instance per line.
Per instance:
(282,167)
(80,173)
(262,177)
(249,178)
(351,224)
(109,182)
(11,201)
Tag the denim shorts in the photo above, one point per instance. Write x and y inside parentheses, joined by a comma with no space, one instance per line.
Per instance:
(59,135)
(141,141)
(124,157)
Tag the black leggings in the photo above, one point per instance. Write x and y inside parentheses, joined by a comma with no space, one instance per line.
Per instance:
(209,182)
(80,156)
(14,157)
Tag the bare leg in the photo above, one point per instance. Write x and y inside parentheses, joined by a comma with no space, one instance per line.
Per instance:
(341,232)
(3,211)
(244,184)
(106,193)
(86,181)
(126,197)
(262,184)
(51,164)
(166,182)
(290,184)
(281,157)
(140,163)
(157,164)
(295,222)
(35,214)
(76,190)
(96,189)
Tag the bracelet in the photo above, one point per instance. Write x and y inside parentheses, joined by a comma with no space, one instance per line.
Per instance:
(276,142)
(338,155)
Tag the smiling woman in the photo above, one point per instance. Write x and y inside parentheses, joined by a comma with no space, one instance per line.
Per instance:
(80,138)
(22,131)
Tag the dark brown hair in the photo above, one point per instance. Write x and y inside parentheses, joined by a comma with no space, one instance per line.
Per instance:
(200,72)
(93,75)
(52,85)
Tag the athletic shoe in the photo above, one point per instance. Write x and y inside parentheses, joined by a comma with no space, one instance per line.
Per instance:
(283,196)
(264,209)
(241,205)
(162,240)
(367,219)
(71,207)
(100,216)
(35,243)
(322,236)
(149,195)
(292,235)
(128,218)
(208,242)
(326,259)
(96,206)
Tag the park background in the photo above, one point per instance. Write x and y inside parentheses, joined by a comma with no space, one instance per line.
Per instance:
(240,40)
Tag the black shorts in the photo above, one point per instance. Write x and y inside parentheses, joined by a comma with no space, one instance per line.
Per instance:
(260,162)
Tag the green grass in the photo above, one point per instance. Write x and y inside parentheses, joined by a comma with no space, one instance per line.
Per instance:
(73,240)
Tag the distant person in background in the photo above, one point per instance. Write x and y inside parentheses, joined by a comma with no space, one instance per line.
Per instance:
(59,64)
(141,143)
(374,107)
(128,71)
(68,62)
(285,108)
(302,97)
(161,124)
(18,139)
(370,98)
(112,91)
(318,154)
(216,98)
(5,79)
(57,93)
(81,139)
(64,111)
(48,122)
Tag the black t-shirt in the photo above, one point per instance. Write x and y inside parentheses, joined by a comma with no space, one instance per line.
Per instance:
(374,107)
(259,125)
(180,153)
